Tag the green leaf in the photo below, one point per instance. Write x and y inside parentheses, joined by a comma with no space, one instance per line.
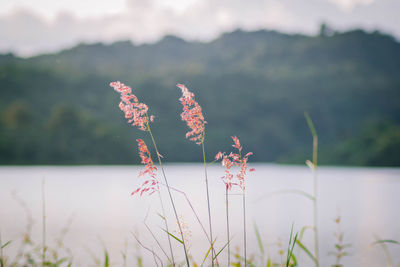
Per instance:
(302,231)
(306,250)
(221,249)
(177,239)
(386,241)
(6,244)
(208,252)
(162,217)
(106,259)
(294,260)
(310,124)
(260,243)
(290,250)
(139,262)
(290,241)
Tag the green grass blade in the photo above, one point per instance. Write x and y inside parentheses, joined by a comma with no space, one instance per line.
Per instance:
(139,262)
(106,259)
(6,244)
(162,217)
(302,231)
(259,240)
(208,252)
(269,263)
(310,124)
(294,260)
(306,250)
(290,242)
(177,239)
(221,250)
(290,253)
(386,241)
(290,246)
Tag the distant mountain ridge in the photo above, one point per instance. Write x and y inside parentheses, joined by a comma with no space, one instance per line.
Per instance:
(256,85)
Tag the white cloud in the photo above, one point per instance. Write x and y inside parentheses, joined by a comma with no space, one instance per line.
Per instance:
(49,9)
(348,5)
(29,33)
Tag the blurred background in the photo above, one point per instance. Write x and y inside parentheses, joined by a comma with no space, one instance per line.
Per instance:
(254,66)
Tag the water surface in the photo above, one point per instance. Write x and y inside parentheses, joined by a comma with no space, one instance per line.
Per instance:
(97,201)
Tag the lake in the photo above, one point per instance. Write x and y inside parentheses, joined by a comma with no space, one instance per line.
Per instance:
(95,205)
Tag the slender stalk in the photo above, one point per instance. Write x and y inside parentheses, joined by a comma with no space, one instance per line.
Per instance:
(208,200)
(166,227)
(158,243)
(315,158)
(227,225)
(197,217)
(1,252)
(148,249)
(244,228)
(170,195)
(125,253)
(315,163)
(43,224)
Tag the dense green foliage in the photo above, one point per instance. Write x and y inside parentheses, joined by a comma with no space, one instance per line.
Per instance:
(59,108)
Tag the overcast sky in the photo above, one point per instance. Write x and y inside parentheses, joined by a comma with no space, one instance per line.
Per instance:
(30,27)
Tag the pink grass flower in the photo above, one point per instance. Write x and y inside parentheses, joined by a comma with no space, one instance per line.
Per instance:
(193,115)
(236,143)
(150,185)
(235,159)
(134,111)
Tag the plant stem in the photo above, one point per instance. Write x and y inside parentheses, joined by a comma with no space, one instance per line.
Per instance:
(148,249)
(197,216)
(43,224)
(227,225)
(166,227)
(244,228)
(315,163)
(208,200)
(1,252)
(170,195)
(315,158)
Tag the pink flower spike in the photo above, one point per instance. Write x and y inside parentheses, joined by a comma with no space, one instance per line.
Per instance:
(134,192)
(219,155)
(235,159)
(150,185)
(236,143)
(134,111)
(192,115)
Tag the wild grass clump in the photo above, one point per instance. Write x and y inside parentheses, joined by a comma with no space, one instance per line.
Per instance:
(235,169)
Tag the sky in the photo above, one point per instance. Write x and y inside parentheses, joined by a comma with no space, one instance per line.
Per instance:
(29,27)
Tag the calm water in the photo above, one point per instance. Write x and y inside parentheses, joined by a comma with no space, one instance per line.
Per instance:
(102,214)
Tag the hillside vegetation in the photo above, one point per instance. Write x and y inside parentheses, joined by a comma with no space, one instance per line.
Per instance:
(59,108)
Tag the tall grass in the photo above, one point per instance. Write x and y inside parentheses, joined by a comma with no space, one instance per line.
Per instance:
(313,166)
(43,255)
(43,224)
(137,114)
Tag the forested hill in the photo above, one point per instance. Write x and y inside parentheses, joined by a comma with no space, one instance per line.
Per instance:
(59,109)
